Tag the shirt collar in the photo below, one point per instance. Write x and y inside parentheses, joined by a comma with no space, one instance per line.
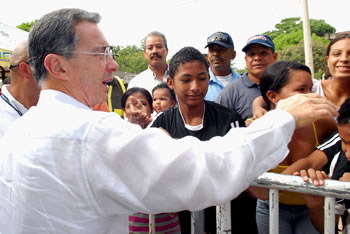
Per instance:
(248,82)
(164,76)
(12,100)
(213,77)
(50,97)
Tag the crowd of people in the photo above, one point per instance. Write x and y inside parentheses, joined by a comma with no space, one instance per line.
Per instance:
(184,138)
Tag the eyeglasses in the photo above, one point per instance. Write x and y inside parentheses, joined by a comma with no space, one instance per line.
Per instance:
(108,53)
(13,66)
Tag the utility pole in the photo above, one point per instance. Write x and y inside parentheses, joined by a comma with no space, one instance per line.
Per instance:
(307,37)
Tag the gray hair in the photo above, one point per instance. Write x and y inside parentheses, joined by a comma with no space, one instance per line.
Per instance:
(54,33)
(158,34)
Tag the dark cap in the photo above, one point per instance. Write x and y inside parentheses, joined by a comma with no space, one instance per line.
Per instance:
(264,40)
(220,38)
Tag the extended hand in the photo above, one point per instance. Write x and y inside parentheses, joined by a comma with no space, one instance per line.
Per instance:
(138,113)
(308,108)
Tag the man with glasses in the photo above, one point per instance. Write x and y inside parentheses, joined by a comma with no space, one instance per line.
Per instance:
(23,92)
(155,51)
(220,54)
(239,95)
(67,169)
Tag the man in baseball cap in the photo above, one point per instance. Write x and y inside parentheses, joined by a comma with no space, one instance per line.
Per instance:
(264,40)
(259,54)
(220,54)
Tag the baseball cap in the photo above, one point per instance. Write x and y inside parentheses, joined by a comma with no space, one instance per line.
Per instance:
(261,39)
(220,38)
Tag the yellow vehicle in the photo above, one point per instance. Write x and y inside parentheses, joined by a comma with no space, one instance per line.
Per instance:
(4,63)
(10,36)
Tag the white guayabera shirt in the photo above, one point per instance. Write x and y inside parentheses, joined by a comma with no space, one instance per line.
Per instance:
(67,169)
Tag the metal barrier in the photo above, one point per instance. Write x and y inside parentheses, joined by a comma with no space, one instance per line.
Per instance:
(330,190)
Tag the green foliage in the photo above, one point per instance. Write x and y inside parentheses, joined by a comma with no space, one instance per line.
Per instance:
(26,26)
(284,40)
(289,25)
(241,71)
(289,41)
(297,53)
(131,59)
(320,27)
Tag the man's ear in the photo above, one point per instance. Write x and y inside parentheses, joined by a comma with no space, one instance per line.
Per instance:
(275,56)
(233,56)
(170,82)
(56,66)
(25,70)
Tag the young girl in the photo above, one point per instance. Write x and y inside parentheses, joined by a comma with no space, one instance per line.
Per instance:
(164,98)
(146,100)
(281,80)
(139,222)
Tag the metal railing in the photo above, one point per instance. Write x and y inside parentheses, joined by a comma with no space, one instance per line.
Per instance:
(274,182)
(330,190)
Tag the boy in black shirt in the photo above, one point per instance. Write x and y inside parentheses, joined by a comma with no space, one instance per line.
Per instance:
(189,77)
(333,156)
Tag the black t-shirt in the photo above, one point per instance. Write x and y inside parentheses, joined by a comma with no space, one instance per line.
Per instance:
(337,165)
(218,120)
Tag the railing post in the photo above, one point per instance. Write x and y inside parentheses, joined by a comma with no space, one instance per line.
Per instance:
(152,224)
(274,211)
(329,212)
(223,219)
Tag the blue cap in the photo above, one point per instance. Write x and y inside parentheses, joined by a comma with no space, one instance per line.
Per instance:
(260,39)
(220,38)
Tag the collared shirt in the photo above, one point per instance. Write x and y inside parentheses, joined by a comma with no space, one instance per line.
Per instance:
(69,169)
(215,86)
(10,110)
(147,79)
(317,87)
(239,96)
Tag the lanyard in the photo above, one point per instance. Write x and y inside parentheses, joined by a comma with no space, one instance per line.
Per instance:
(8,102)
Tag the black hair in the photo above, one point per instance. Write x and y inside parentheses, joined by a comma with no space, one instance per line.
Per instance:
(344,113)
(276,76)
(165,86)
(133,90)
(183,56)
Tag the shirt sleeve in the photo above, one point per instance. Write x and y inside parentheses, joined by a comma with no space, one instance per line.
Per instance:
(331,147)
(130,169)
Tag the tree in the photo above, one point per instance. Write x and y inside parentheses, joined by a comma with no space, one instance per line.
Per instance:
(296,53)
(27,26)
(131,59)
(289,41)
(289,25)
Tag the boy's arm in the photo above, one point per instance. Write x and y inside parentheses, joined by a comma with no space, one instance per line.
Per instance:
(315,160)
(259,107)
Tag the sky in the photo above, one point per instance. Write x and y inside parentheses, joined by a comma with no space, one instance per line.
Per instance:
(185,22)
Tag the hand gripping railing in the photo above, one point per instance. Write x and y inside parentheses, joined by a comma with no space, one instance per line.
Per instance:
(330,190)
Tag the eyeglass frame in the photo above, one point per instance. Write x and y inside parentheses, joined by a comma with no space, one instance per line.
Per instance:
(17,65)
(108,52)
